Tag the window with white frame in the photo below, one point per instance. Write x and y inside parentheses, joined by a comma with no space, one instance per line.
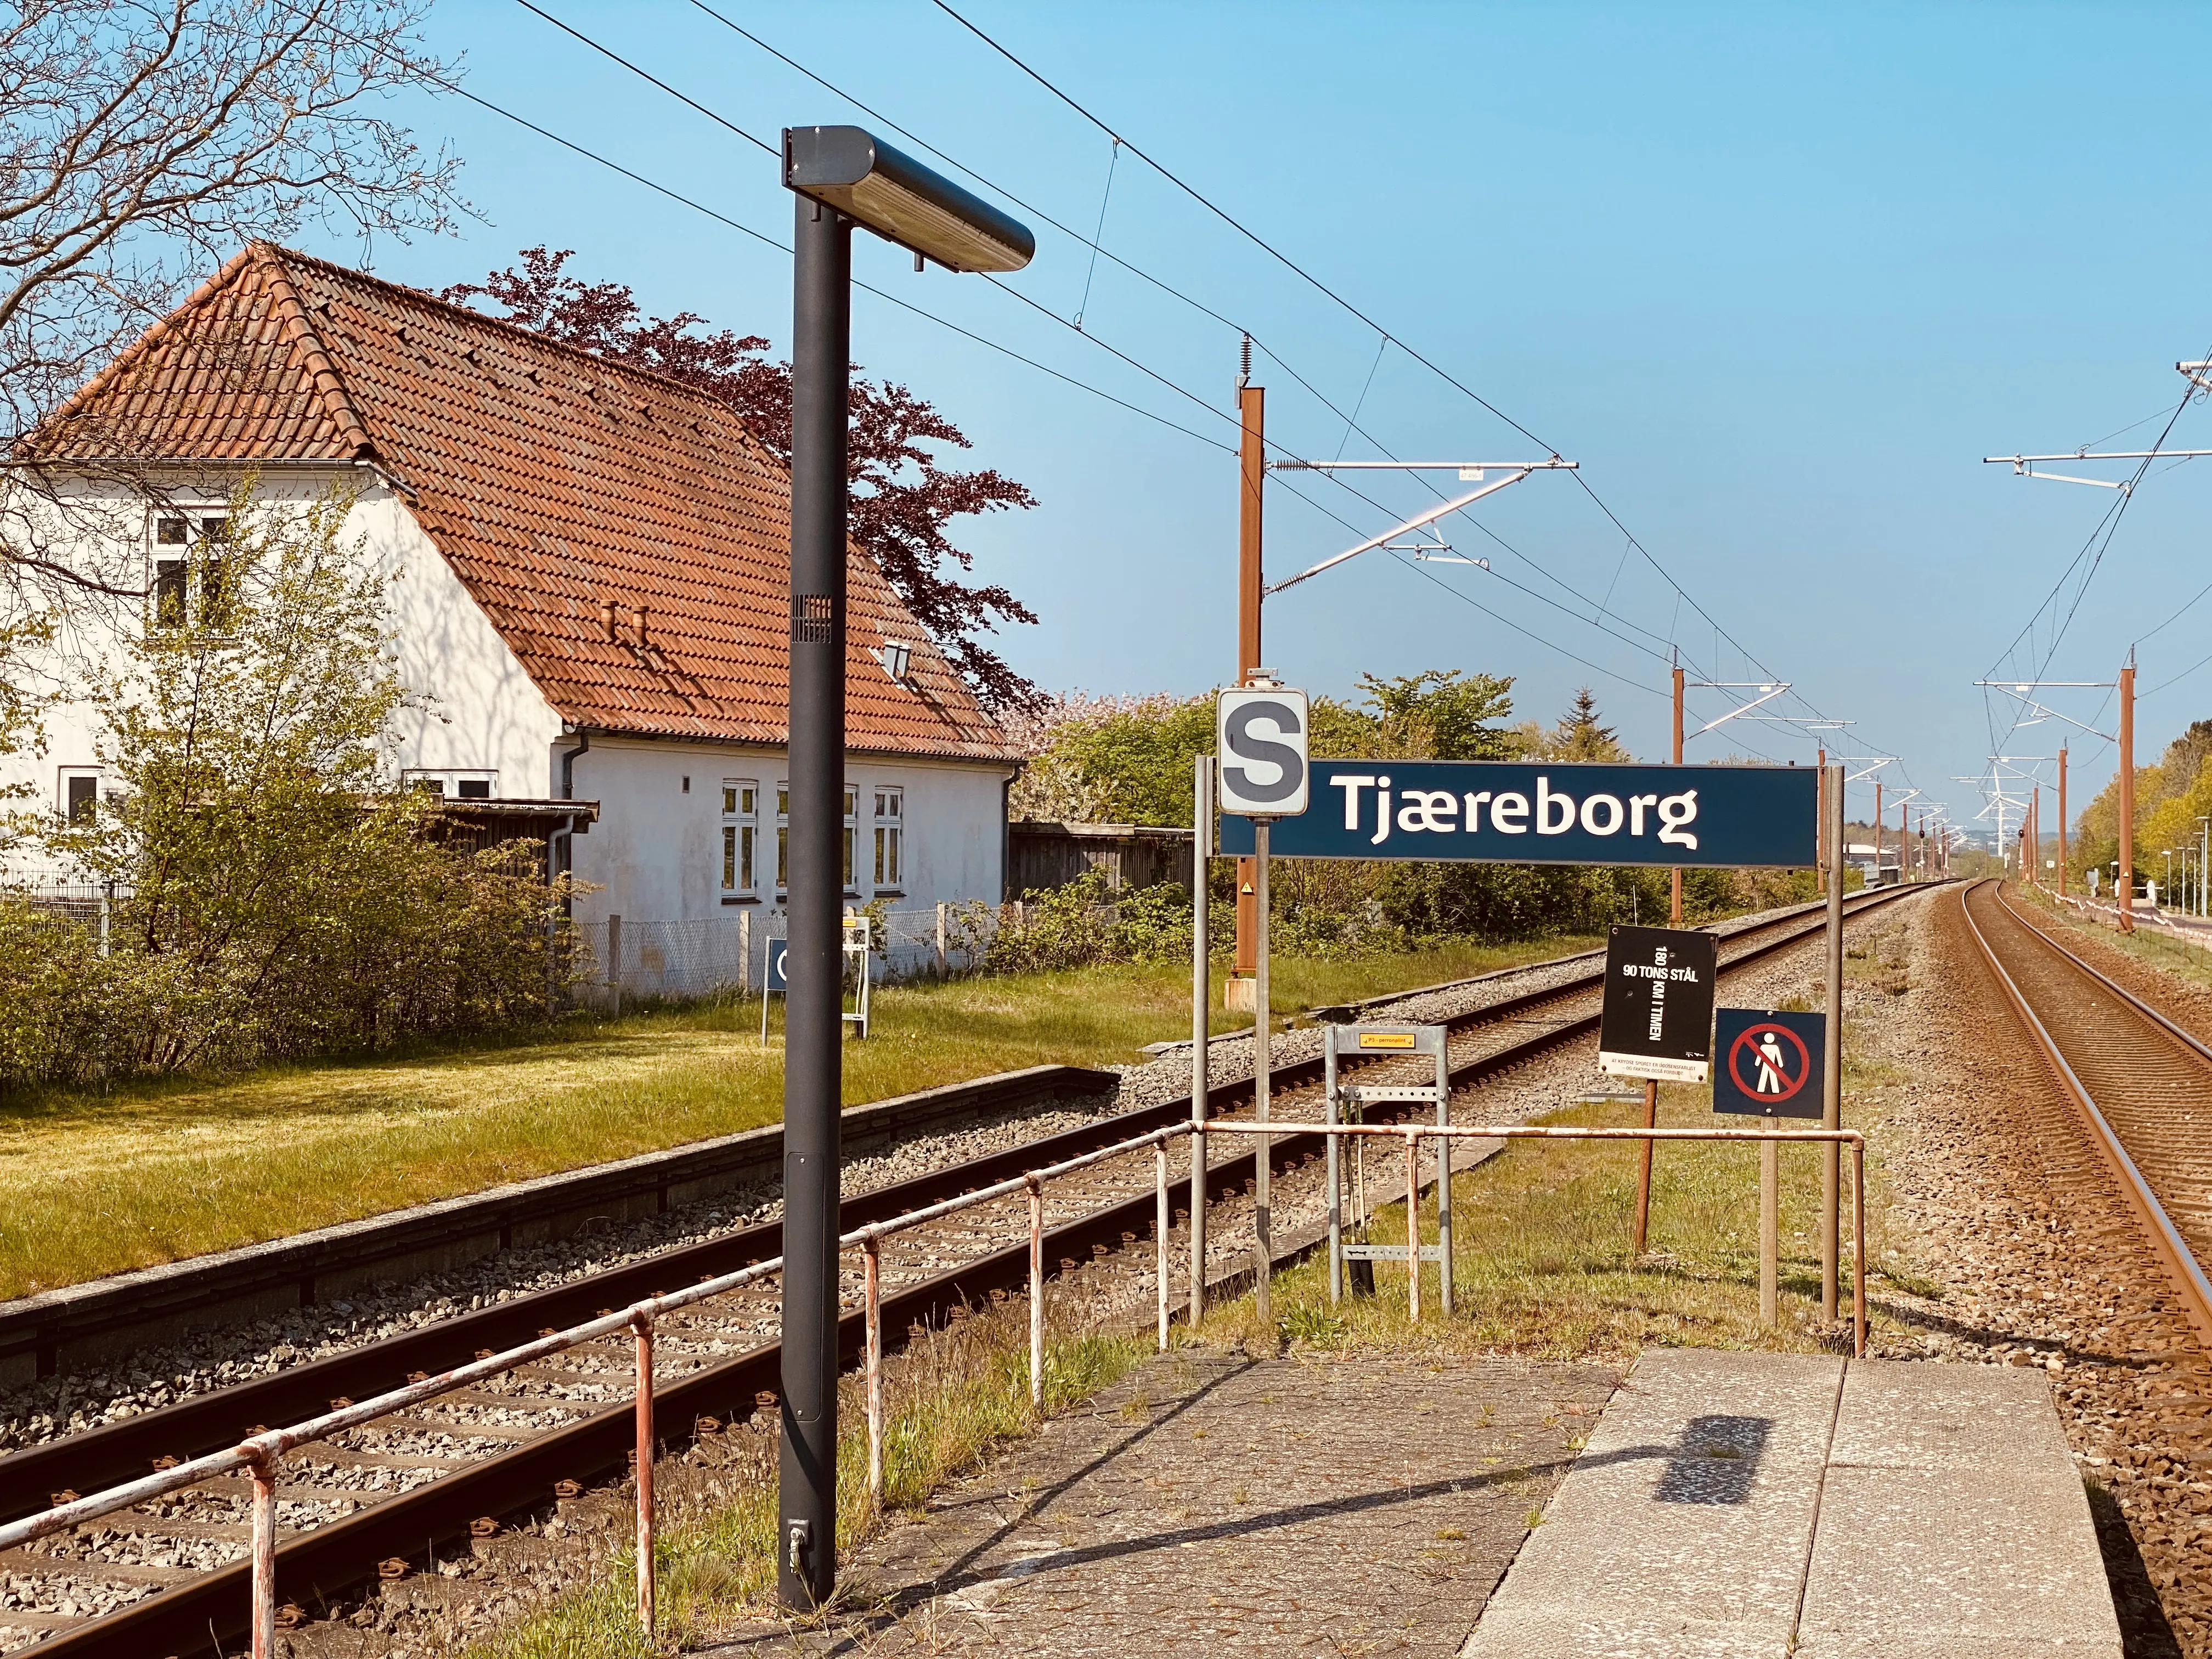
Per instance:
(782,834)
(172,574)
(454,783)
(740,834)
(891,834)
(852,839)
(783,837)
(79,794)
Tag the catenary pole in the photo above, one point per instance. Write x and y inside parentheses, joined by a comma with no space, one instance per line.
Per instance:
(821,356)
(1831,1088)
(1820,828)
(1201,995)
(1674,876)
(1251,579)
(2127,883)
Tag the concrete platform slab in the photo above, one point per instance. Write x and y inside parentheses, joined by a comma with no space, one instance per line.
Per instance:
(1723,1506)
(1748,1506)
(1952,1522)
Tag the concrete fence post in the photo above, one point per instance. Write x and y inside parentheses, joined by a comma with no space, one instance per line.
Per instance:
(944,958)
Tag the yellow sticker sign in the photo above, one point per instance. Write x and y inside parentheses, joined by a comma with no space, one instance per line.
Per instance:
(1387,1039)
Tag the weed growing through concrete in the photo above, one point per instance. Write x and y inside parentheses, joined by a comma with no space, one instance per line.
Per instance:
(949,1398)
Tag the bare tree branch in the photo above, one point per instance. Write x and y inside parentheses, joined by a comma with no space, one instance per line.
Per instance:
(141,143)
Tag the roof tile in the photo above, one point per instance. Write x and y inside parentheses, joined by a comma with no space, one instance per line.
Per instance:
(555,483)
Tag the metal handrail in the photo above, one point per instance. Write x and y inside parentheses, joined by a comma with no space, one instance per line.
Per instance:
(260,1455)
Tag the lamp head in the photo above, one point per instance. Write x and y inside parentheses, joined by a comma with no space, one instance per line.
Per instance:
(891,193)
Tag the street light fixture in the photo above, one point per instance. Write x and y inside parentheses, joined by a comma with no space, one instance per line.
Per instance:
(841,177)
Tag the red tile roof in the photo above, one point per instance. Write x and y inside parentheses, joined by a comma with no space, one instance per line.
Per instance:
(554,482)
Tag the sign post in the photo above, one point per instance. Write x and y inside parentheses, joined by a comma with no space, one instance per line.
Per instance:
(1771,1067)
(1832,1058)
(1260,739)
(1201,986)
(1655,1023)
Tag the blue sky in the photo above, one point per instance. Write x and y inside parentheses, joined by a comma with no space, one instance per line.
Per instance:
(1776,277)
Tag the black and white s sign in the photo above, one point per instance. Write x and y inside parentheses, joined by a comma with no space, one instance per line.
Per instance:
(1261,741)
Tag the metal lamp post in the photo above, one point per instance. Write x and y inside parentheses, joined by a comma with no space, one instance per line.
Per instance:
(842,177)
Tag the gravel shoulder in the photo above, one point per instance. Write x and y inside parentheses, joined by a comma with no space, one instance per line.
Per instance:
(1999,1210)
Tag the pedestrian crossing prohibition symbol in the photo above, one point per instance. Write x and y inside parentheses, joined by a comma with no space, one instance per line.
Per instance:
(1771,1062)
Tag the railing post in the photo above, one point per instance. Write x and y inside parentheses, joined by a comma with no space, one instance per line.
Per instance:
(1413,1227)
(1036,1293)
(871,1273)
(1201,998)
(642,1329)
(1160,1233)
(1858,1245)
(263,1472)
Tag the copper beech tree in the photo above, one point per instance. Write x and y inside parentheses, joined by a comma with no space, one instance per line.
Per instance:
(905,499)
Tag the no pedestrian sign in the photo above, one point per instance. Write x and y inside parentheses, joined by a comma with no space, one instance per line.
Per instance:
(1657,1016)
(1771,1064)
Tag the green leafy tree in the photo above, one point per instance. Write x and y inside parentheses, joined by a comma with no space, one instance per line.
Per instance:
(280,892)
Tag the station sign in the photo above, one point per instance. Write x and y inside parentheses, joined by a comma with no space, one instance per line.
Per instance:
(1259,739)
(1769,1064)
(1656,1016)
(1541,812)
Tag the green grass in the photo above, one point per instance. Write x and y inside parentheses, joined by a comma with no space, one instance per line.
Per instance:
(2152,946)
(949,1400)
(95,1184)
(1542,1264)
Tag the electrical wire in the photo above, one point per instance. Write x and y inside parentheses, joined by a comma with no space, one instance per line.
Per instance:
(761,237)
(1076,324)
(1097,251)
(1347,305)
(1273,252)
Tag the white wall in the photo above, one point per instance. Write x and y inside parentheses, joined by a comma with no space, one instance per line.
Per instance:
(482,711)
(655,852)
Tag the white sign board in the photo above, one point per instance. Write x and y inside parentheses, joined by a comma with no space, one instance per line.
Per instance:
(1260,738)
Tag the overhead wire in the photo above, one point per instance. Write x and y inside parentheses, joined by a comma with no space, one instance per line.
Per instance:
(2099,540)
(1124,357)
(1097,251)
(1338,299)
(696,206)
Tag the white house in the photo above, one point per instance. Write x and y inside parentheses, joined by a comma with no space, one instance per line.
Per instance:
(594,587)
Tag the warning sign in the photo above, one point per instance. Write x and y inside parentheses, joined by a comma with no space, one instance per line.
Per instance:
(1770,1063)
(1658,1018)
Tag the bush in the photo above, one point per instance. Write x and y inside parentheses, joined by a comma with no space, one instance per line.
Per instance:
(1086,924)
(281,894)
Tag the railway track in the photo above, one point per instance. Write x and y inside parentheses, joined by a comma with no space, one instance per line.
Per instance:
(2141,1086)
(170,1578)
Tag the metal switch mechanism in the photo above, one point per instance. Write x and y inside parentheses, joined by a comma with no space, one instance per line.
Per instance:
(800,1536)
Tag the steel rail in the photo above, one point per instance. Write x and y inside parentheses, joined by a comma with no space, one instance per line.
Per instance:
(2167,1244)
(332,1558)
(202,1422)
